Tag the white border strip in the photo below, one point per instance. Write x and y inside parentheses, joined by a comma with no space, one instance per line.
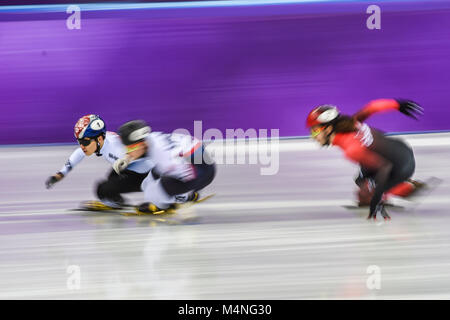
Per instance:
(169,5)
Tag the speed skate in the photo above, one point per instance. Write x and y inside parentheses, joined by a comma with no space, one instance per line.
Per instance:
(408,204)
(179,211)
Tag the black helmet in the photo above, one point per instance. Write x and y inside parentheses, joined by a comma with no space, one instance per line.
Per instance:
(133,132)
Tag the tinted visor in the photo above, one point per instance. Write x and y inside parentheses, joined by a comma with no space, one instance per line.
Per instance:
(316,132)
(84,142)
(134,146)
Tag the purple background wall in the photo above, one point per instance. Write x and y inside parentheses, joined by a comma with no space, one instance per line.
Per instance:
(231,67)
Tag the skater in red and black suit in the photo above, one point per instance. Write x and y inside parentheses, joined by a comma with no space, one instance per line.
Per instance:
(386,164)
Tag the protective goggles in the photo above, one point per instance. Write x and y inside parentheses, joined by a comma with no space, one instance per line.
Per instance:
(135,146)
(84,142)
(317,131)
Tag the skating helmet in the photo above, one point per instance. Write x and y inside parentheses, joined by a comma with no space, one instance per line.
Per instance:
(134,132)
(89,126)
(323,114)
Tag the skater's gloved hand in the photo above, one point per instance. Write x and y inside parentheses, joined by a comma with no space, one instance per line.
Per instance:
(410,108)
(53,179)
(121,164)
(379,209)
(372,215)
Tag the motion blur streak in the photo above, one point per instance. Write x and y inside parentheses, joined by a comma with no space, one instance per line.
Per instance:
(261,237)
(231,67)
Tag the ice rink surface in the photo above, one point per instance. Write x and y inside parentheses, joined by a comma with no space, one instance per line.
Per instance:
(282,236)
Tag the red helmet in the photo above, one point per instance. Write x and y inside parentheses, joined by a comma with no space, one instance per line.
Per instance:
(89,126)
(322,114)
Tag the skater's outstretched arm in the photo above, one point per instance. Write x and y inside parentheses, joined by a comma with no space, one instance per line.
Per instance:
(73,160)
(406,107)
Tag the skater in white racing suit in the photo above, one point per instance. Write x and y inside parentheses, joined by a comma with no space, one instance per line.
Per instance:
(90,132)
(179,165)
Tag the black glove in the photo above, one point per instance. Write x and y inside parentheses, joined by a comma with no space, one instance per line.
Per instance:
(52,180)
(409,108)
(382,210)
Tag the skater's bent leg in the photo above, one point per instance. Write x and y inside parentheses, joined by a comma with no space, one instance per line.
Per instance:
(115,185)
(399,183)
(109,189)
(403,189)
(131,181)
(397,176)
(155,193)
(206,174)
(175,187)
(166,191)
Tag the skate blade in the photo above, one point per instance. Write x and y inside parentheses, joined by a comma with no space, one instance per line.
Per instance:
(156,213)
(156,220)
(140,213)
(391,206)
(96,206)
(205,198)
(171,211)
